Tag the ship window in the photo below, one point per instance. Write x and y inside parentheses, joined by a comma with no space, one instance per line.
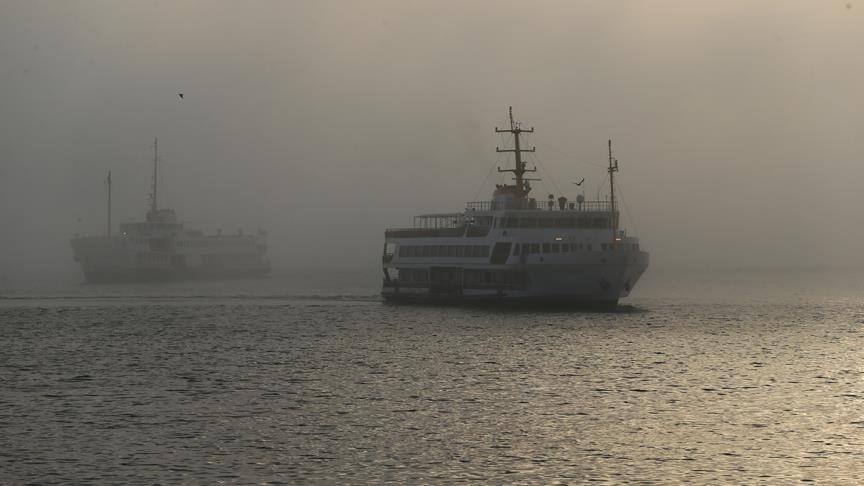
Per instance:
(442,251)
(565,247)
(509,222)
(583,222)
(487,277)
(535,247)
(528,222)
(588,247)
(603,246)
(427,251)
(546,223)
(600,223)
(516,249)
(545,247)
(556,248)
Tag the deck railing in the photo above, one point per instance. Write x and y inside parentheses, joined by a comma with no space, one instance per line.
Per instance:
(424,232)
(533,204)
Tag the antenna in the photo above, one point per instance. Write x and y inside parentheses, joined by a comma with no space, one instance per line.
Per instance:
(154,207)
(613,168)
(108,181)
(519,170)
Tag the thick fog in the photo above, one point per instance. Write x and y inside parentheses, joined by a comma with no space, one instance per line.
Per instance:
(737,124)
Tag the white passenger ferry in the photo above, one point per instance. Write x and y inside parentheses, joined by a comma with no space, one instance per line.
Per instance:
(514,248)
(162,248)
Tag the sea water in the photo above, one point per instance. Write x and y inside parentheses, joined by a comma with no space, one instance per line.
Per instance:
(735,376)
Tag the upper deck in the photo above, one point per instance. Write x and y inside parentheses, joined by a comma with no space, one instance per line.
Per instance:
(531,204)
(481,216)
(512,206)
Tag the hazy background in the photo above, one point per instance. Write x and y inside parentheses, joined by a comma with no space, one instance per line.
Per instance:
(738,124)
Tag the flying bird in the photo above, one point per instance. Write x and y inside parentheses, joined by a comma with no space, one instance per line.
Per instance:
(180,95)
(580,182)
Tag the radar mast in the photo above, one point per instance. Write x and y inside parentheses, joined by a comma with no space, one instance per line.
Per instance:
(613,168)
(522,188)
(108,182)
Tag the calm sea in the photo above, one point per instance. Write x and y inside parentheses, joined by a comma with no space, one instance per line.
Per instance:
(713,376)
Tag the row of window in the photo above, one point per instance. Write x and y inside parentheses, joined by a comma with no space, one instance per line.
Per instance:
(466,251)
(203,243)
(482,251)
(145,227)
(528,248)
(153,259)
(209,243)
(469,277)
(231,258)
(212,241)
(557,222)
(484,277)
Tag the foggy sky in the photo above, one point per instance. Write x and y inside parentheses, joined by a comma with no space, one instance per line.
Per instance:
(737,124)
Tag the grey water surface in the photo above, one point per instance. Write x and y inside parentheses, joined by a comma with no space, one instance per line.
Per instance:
(735,377)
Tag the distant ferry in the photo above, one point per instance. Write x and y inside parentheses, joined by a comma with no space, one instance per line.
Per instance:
(514,248)
(161,248)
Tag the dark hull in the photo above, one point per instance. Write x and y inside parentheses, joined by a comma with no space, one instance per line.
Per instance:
(175,275)
(526,302)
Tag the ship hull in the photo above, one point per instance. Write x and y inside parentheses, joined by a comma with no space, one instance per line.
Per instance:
(118,259)
(597,286)
(151,275)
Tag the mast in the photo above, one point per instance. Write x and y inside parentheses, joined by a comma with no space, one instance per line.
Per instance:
(519,170)
(109,202)
(613,168)
(153,201)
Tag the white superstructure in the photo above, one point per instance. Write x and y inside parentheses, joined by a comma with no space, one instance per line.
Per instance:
(161,248)
(516,249)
